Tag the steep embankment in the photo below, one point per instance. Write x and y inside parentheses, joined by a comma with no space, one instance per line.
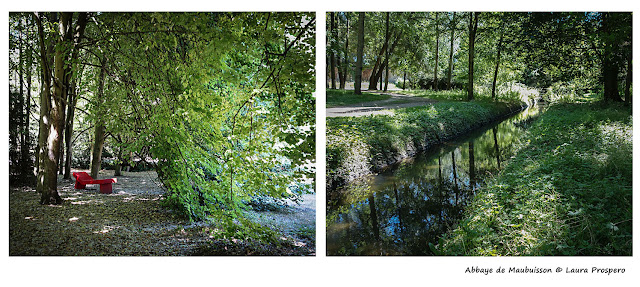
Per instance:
(567,192)
(358,146)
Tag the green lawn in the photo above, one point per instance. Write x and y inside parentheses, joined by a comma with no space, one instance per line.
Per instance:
(567,191)
(336,98)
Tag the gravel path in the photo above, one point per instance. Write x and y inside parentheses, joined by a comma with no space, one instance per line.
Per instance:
(132,221)
(382,107)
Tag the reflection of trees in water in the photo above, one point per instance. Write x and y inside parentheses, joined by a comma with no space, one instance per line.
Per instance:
(402,210)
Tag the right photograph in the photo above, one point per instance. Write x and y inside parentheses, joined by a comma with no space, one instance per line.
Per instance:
(479,133)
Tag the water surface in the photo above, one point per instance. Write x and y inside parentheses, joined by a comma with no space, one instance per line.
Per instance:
(411,204)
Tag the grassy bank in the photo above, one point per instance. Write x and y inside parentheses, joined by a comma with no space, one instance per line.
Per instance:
(567,192)
(358,146)
(336,98)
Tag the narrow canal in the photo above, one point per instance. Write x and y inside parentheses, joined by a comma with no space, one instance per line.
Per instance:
(411,204)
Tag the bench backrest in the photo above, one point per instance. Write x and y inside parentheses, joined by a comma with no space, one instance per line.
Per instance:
(82,176)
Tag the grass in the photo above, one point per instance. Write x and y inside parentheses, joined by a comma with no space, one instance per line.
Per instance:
(358,146)
(336,98)
(567,192)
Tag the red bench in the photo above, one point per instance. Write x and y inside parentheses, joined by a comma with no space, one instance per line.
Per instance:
(83,178)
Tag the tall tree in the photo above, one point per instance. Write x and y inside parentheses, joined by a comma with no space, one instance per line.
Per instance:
(495,72)
(451,40)
(435,67)
(359,54)
(332,53)
(386,50)
(66,39)
(473,28)
(345,64)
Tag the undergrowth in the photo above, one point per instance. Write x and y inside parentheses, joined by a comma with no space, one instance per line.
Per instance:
(567,192)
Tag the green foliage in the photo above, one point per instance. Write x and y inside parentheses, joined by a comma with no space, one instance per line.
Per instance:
(220,104)
(567,192)
(337,98)
(357,146)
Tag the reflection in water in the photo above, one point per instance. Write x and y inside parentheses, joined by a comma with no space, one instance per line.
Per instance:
(403,209)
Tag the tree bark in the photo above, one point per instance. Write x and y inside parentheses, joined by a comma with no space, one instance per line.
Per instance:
(343,79)
(358,79)
(53,104)
(453,30)
(435,68)
(27,164)
(99,132)
(610,67)
(331,51)
(386,58)
(628,79)
(495,72)
(473,27)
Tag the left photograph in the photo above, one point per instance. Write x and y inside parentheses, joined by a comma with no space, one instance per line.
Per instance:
(162,134)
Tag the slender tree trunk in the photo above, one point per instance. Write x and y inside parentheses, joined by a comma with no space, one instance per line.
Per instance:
(404,80)
(628,79)
(99,132)
(332,53)
(473,27)
(358,79)
(386,58)
(71,108)
(118,167)
(377,68)
(453,30)
(435,68)
(610,67)
(27,164)
(345,66)
(495,72)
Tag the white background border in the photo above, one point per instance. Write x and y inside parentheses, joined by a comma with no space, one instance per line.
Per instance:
(300,271)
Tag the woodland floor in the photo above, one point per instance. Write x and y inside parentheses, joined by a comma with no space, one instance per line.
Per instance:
(132,221)
(384,107)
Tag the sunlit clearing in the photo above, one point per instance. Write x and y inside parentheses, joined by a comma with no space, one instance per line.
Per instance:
(88,202)
(106,229)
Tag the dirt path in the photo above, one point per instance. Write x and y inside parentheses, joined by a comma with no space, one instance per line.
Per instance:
(132,221)
(382,107)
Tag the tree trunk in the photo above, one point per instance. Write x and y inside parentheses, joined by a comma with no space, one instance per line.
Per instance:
(118,166)
(453,30)
(331,51)
(495,72)
(473,27)
(71,108)
(610,66)
(404,80)
(377,68)
(358,79)
(52,104)
(343,79)
(435,68)
(27,164)
(627,80)
(99,133)
(386,58)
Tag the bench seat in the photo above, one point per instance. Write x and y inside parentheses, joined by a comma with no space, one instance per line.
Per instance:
(83,178)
